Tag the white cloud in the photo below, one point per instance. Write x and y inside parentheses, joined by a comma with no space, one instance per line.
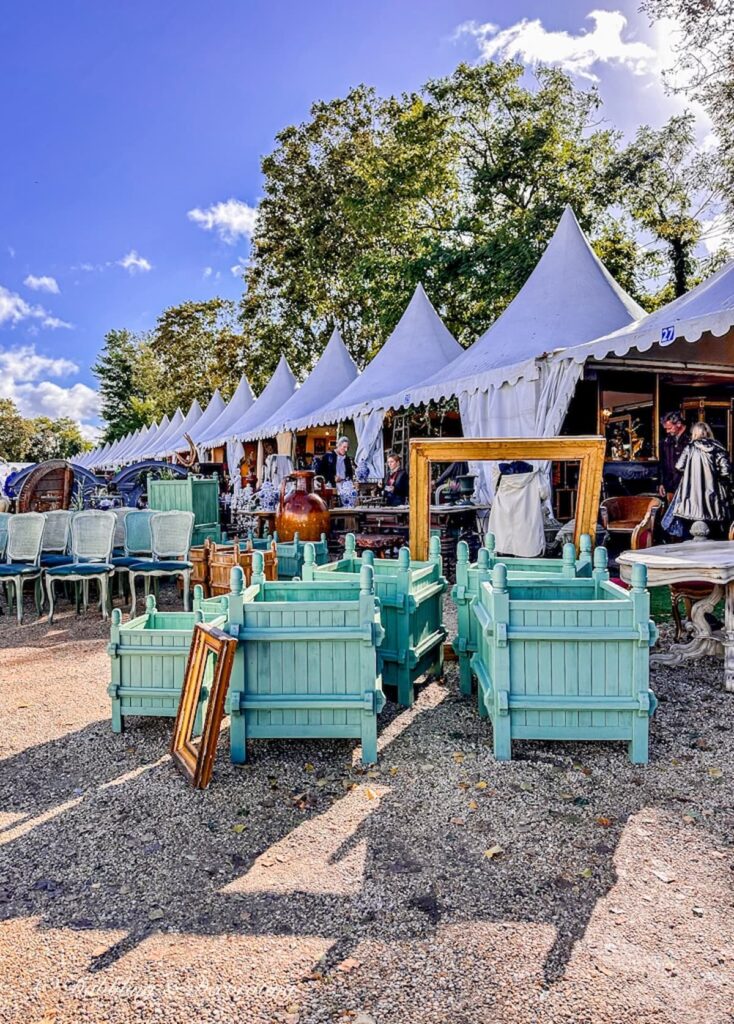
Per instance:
(134,263)
(14,310)
(21,373)
(42,284)
(207,272)
(231,220)
(607,42)
(716,233)
(239,267)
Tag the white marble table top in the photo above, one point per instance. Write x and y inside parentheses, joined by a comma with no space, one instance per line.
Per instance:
(711,560)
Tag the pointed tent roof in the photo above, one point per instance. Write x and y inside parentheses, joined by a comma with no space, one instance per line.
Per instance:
(151,449)
(420,344)
(145,435)
(177,442)
(237,406)
(132,441)
(278,390)
(140,450)
(97,457)
(332,374)
(569,298)
(214,409)
(116,449)
(706,309)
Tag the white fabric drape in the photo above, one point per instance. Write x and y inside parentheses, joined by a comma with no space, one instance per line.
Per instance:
(370,446)
(516,519)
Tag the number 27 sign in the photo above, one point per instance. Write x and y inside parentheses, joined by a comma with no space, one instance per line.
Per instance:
(667,334)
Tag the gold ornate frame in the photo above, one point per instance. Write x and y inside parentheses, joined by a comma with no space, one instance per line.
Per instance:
(588,451)
(196,762)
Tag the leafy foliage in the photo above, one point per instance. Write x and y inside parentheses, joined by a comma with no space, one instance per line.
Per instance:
(35,440)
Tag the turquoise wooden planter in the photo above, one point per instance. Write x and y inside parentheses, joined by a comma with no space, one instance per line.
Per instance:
(469,576)
(565,659)
(411,610)
(306,665)
(190,494)
(148,658)
(291,555)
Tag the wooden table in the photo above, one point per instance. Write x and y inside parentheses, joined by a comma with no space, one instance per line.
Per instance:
(708,561)
(387,516)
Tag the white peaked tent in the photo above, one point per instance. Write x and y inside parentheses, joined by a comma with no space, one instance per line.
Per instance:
(177,442)
(160,442)
(214,409)
(156,431)
(237,406)
(504,385)
(420,344)
(132,441)
(146,435)
(332,374)
(111,459)
(274,395)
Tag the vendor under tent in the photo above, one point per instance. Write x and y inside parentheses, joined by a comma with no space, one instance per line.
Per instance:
(177,442)
(505,386)
(419,344)
(216,434)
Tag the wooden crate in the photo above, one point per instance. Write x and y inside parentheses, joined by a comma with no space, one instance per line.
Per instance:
(565,659)
(411,610)
(222,557)
(148,658)
(307,664)
(469,576)
(189,494)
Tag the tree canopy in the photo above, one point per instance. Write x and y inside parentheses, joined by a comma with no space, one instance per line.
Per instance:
(38,439)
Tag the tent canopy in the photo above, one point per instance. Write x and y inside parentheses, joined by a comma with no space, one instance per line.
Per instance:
(177,442)
(151,448)
(237,406)
(569,298)
(214,409)
(331,375)
(156,431)
(420,344)
(279,389)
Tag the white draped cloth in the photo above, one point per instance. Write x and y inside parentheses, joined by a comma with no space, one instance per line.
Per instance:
(516,519)
(370,445)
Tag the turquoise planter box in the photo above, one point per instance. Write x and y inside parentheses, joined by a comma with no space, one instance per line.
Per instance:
(307,660)
(411,610)
(469,576)
(291,555)
(148,658)
(565,659)
(190,494)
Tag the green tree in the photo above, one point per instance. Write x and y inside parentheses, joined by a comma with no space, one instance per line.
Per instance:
(54,439)
(128,383)
(14,432)
(194,348)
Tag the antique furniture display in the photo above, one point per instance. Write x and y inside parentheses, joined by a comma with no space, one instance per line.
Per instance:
(221,558)
(631,518)
(565,659)
(4,519)
(200,496)
(587,451)
(689,593)
(706,561)
(148,658)
(92,534)
(56,535)
(302,511)
(212,651)
(411,610)
(23,558)
(469,577)
(131,482)
(170,539)
(307,660)
(50,485)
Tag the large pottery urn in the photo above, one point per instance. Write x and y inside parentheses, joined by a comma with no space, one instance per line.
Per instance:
(302,512)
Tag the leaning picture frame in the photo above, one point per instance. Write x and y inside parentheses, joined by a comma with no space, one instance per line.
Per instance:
(196,760)
(587,451)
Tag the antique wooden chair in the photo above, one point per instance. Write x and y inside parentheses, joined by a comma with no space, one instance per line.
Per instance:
(631,514)
(689,594)
(170,541)
(55,543)
(23,557)
(136,541)
(92,533)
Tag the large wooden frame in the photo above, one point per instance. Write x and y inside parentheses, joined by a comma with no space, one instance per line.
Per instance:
(588,451)
(196,761)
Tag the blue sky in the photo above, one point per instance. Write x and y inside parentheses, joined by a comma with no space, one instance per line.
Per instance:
(133,134)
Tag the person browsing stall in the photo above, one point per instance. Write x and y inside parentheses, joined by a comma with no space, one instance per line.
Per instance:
(336,466)
(396,481)
(672,447)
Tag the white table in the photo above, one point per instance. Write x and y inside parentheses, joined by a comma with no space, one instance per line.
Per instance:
(710,561)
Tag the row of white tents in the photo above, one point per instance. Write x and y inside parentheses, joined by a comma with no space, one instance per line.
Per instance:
(516,380)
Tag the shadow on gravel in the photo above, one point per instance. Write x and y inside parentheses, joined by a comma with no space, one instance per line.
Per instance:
(133,848)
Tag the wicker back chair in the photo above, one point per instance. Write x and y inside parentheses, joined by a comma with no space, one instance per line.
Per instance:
(23,557)
(121,515)
(170,543)
(4,517)
(92,535)
(56,534)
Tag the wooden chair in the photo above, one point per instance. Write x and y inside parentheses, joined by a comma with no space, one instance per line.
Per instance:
(631,516)
(689,594)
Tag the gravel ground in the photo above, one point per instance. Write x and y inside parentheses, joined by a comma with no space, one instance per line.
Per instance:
(565,886)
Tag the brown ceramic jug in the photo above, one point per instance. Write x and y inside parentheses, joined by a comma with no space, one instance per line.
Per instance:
(302,512)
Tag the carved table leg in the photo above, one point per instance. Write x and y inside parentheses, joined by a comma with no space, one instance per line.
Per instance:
(703,643)
(729,639)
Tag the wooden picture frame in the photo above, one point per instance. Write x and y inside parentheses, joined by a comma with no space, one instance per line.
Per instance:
(588,451)
(196,761)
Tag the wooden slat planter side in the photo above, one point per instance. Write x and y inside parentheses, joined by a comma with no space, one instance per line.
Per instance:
(148,658)
(291,555)
(469,576)
(307,663)
(222,557)
(565,659)
(189,494)
(411,610)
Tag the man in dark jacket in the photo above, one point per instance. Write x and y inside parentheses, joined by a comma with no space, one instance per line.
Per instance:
(672,447)
(336,466)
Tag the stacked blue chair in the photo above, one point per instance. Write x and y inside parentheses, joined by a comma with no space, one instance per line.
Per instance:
(56,535)
(92,535)
(23,557)
(170,534)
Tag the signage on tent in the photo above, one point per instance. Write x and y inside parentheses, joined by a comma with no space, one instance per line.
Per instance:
(668,333)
